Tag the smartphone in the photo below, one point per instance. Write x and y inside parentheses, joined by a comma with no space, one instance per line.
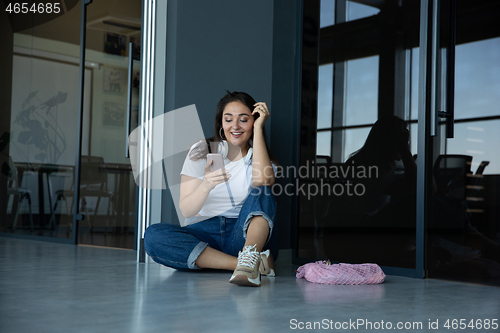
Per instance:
(218,162)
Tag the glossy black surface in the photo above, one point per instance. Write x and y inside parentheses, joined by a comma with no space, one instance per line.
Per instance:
(461,227)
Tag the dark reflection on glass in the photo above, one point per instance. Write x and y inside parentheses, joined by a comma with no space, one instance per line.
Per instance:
(358,207)
(366,209)
(464,227)
(385,186)
(463,233)
(322,294)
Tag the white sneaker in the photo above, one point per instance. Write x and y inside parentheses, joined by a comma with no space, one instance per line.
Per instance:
(247,271)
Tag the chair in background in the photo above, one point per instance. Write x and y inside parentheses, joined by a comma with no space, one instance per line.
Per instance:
(475,194)
(93,183)
(481,167)
(19,193)
(323,159)
(450,174)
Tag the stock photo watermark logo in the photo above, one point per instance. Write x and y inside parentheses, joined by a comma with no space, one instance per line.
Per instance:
(158,149)
(313,179)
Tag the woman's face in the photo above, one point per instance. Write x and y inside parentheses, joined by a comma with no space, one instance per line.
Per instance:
(237,124)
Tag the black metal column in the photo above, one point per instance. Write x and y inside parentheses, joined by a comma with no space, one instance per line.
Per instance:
(83,34)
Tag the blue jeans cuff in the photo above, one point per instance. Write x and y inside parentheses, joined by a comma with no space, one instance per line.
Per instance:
(193,256)
(258,213)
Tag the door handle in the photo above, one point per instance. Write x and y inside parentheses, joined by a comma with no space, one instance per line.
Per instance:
(449,114)
(433,36)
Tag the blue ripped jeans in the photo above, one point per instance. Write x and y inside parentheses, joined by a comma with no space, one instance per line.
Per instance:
(179,247)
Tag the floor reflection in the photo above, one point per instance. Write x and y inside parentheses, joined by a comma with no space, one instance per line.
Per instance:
(330,294)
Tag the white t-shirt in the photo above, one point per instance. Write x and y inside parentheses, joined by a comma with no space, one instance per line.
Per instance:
(225,199)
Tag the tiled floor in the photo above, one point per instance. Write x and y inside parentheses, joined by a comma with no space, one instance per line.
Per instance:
(46,287)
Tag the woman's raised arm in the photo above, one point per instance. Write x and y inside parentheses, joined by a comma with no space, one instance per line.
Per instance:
(262,170)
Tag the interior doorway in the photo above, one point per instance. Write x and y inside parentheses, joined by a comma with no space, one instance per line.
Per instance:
(39,138)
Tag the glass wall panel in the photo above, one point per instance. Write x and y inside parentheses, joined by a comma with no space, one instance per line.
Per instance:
(107,189)
(464,230)
(361,208)
(376,78)
(39,131)
(39,127)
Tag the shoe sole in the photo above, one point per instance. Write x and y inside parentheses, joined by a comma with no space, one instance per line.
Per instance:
(242,280)
(271,273)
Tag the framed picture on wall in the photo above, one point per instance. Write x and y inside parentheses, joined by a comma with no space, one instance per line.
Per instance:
(113,114)
(114,81)
(115,44)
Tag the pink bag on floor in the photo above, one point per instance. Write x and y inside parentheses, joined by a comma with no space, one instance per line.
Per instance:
(325,272)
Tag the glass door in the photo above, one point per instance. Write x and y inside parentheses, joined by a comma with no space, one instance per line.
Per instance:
(107,189)
(463,240)
(360,199)
(398,137)
(39,135)
(40,101)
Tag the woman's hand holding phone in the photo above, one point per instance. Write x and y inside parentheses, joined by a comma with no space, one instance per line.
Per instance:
(219,176)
